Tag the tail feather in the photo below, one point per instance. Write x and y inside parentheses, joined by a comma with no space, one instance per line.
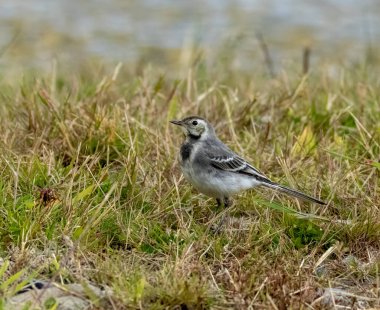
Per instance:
(292,192)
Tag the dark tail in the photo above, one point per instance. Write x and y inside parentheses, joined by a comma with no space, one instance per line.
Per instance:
(292,192)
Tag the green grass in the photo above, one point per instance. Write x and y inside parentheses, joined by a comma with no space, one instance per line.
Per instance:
(90,189)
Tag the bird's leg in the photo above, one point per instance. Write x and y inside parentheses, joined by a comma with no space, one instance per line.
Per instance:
(219,202)
(227,202)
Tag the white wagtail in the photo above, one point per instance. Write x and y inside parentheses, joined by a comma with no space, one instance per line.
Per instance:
(216,171)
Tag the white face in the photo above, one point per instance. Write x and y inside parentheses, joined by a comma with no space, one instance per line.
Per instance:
(194,127)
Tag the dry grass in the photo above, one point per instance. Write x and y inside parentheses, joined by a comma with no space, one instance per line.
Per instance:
(90,188)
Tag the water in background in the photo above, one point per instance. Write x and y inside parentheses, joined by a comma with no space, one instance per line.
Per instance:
(34,32)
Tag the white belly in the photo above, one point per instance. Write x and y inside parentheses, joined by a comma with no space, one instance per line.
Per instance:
(216,184)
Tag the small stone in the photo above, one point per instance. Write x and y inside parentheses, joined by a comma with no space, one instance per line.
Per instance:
(67,297)
(321,271)
(351,260)
(334,297)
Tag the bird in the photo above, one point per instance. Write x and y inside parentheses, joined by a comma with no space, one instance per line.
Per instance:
(215,170)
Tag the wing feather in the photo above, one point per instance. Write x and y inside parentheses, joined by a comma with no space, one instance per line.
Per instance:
(223,158)
(236,164)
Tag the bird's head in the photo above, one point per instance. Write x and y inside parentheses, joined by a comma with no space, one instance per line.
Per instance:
(195,127)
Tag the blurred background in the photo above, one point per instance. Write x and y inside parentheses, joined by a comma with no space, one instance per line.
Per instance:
(36,32)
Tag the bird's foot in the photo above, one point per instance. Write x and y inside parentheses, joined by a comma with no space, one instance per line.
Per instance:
(225,201)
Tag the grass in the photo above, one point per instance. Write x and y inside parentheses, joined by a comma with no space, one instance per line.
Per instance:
(91,190)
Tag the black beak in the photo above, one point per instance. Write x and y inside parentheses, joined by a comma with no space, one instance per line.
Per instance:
(179,123)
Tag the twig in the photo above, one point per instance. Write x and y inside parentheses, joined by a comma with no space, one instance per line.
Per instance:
(306,60)
(268,58)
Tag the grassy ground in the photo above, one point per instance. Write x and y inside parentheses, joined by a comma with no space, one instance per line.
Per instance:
(91,191)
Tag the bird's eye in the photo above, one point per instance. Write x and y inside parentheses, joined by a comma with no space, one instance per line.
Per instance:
(195,123)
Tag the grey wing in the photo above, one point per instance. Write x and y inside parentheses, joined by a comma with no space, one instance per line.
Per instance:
(221,157)
(224,159)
